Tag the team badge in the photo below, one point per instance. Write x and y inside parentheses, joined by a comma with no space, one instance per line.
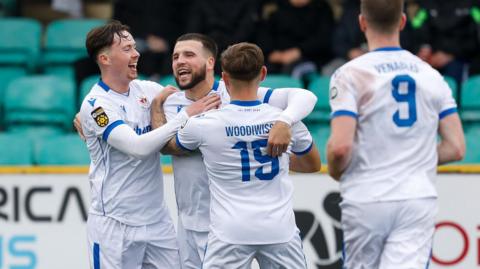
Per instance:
(100,117)
(143,101)
(333,93)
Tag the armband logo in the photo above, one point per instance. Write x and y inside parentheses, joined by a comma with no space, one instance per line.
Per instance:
(333,93)
(100,117)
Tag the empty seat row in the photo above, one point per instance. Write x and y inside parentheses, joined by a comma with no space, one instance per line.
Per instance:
(64,42)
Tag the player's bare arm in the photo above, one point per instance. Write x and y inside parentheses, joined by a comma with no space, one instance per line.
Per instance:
(306,163)
(156,112)
(278,139)
(339,146)
(452,144)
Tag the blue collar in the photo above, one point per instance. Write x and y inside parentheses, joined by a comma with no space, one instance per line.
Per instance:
(388,49)
(215,85)
(246,103)
(107,88)
(103,85)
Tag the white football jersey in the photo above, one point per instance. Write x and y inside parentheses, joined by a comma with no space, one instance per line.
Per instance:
(251,193)
(191,179)
(397,100)
(122,187)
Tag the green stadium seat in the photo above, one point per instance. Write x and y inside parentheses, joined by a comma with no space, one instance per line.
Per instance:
(281,81)
(16,150)
(453,86)
(39,101)
(7,74)
(86,85)
(168,80)
(65,43)
(470,100)
(320,133)
(61,150)
(20,45)
(166,159)
(321,112)
(472,137)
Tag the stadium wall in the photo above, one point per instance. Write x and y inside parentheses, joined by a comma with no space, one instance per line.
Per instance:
(43,213)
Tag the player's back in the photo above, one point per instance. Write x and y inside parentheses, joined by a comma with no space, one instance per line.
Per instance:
(251,192)
(397,100)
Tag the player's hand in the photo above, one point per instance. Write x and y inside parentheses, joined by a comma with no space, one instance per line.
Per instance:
(278,139)
(204,104)
(78,126)
(164,94)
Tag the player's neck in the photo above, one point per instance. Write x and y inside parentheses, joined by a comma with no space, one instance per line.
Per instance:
(201,89)
(243,93)
(376,40)
(116,85)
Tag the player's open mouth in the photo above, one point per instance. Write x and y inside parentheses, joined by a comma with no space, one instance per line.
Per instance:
(133,67)
(183,73)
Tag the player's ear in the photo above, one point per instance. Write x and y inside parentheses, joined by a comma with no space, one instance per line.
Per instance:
(226,79)
(362,21)
(103,58)
(403,21)
(263,73)
(210,63)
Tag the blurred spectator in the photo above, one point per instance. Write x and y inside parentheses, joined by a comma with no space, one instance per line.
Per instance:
(226,21)
(155,25)
(447,35)
(348,40)
(73,7)
(296,38)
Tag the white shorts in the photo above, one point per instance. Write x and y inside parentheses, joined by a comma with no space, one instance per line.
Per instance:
(387,235)
(115,245)
(192,246)
(221,255)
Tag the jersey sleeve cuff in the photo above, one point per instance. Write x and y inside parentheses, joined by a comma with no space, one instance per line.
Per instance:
(343,113)
(305,151)
(447,112)
(179,144)
(110,128)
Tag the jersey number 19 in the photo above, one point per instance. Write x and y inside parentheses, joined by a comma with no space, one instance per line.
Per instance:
(257,155)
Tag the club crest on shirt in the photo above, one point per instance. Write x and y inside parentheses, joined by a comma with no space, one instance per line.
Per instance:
(100,117)
(333,93)
(143,101)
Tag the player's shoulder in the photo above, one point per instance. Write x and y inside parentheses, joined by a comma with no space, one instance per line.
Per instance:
(176,98)
(97,96)
(146,86)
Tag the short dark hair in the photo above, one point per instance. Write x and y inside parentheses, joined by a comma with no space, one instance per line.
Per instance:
(103,36)
(242,61)
(207,42)
(382,15)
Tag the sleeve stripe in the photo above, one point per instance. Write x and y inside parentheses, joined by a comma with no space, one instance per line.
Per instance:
(267,96)
(343,113)
(180,144)
(305,151)
(110,128)
(447,112)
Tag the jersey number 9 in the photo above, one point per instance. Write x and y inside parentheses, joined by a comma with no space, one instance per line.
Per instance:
(405,94)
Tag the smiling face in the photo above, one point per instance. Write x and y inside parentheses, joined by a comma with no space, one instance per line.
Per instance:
(190,62)
(123,57)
